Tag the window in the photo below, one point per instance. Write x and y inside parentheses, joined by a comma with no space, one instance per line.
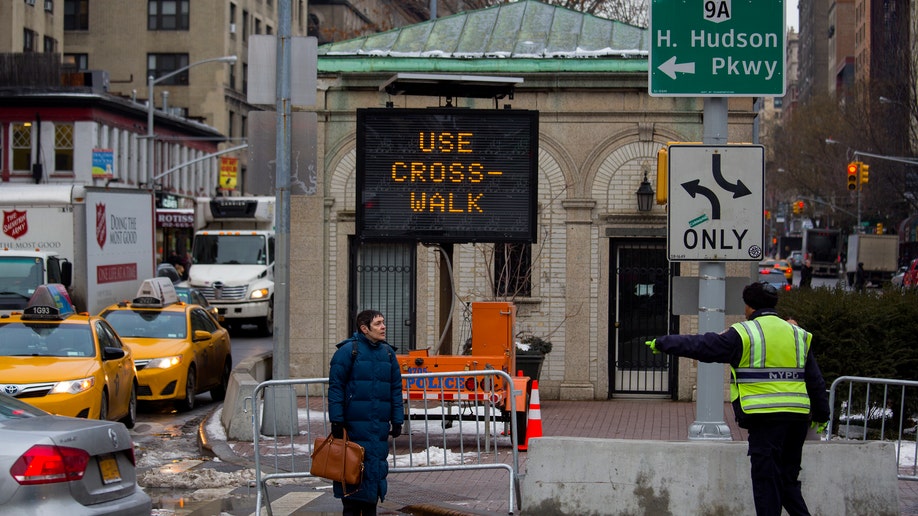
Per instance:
(63,148)
(28,40)
(512,270)
(232,19)
(269,29)
(76,61)
(245,78)
(22,147)
(49,6)
(257,26)
(232,76)
(76,14)
(167,14)
(229,130)
(161,64)
(50,45)
(245,25)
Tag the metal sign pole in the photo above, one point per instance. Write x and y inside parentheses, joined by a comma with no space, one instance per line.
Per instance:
(709,408)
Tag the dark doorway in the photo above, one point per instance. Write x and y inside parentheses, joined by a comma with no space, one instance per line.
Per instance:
(639,310)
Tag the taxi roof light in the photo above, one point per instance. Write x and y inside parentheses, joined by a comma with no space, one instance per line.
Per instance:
(156,293)
(50,302)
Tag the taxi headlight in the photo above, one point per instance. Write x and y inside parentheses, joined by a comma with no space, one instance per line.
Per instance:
(164,362)
(260,293)
(73,386)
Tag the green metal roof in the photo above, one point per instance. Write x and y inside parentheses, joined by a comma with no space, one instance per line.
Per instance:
(523,36)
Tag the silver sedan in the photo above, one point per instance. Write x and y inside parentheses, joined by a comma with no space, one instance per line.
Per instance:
(59,465)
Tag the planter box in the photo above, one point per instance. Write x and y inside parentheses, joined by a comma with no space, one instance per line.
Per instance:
(530,365)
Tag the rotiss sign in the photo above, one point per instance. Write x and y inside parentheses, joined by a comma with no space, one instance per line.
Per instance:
(447,175)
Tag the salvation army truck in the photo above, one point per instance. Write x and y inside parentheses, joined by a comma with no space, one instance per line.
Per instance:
(104,237)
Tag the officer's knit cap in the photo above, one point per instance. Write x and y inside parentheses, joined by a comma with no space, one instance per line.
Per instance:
(760,295)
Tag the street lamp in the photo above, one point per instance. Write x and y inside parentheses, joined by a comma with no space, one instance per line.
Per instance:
(152,81)
(644,195)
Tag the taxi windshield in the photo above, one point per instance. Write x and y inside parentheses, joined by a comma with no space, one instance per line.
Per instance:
(147,324)
(47,340)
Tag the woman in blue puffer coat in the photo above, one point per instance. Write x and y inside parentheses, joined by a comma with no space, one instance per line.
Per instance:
(365,398)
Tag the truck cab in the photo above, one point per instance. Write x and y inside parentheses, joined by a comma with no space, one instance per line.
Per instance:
(232,259)
(21,273)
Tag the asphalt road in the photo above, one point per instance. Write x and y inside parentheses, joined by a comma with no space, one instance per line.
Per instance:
(180,476)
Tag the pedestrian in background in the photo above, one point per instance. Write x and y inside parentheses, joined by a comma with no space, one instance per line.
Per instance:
(806,274)
(365,398)
(859,277)
(777,390)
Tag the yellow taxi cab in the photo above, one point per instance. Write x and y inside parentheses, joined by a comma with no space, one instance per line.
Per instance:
(66,363)
(179,348)
(782,265)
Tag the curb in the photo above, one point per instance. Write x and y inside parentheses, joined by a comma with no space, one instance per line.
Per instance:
(219,447)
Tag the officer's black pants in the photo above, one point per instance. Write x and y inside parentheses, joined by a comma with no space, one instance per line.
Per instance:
(358,508)
(775,451)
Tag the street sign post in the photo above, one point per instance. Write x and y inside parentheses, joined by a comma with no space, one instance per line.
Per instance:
(716,202)
(717,48)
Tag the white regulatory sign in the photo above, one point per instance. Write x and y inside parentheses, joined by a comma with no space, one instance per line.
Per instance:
(716,202)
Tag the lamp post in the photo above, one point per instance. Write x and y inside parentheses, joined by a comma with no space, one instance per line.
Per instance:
(152,81)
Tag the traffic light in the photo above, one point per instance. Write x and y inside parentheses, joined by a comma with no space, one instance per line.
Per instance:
(797,207)
(879,228)
(853,169)
(865,170)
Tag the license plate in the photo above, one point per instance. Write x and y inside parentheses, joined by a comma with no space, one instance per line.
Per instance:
(108,465)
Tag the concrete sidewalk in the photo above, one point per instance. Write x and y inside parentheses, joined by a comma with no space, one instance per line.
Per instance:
(485,491)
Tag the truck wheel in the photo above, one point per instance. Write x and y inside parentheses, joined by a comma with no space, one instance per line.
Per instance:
(266,325)
(190,390)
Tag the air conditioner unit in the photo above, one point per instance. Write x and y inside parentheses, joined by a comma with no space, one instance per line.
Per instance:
(98,80)
(49,5)
(232,28)
(30,2)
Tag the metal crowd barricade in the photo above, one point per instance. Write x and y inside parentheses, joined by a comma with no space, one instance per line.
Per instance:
(431,441)
(878,409)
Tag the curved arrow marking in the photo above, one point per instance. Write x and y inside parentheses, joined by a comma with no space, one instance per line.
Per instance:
(739,189)
(670,67)
(694,187)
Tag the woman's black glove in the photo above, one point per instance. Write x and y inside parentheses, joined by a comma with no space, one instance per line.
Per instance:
(338,430)
(396,430)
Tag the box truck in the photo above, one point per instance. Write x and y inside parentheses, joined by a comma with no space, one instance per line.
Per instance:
(822,247)
(878,253)
(232,258)
(102,238)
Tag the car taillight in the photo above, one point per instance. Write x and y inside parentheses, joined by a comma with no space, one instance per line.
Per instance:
(48,464)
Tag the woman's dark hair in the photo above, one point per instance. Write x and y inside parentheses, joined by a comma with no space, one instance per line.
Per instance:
(365,317)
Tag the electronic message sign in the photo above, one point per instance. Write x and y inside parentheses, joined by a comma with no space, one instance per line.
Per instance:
(447,175)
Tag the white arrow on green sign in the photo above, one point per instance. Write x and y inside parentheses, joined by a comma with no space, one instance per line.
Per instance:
(717,48)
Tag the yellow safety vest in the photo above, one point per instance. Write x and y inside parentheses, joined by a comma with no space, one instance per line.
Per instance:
(770,376)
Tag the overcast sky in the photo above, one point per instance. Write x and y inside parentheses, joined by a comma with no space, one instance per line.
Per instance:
(790,9)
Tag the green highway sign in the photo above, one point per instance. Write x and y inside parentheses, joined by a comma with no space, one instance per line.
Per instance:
(717,48)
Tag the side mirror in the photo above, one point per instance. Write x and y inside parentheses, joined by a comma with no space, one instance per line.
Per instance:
(110,353)
(66,273)
(200,335)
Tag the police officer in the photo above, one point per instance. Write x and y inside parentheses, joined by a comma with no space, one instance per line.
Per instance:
(777,390)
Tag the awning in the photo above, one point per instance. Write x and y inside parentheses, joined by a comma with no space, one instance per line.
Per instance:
(175,218)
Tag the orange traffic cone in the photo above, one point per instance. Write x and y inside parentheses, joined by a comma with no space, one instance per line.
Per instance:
(534,424)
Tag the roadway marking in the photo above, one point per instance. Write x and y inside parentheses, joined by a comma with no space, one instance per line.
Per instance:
(290,503)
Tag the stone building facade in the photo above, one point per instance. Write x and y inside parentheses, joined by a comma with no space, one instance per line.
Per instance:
(600,278)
